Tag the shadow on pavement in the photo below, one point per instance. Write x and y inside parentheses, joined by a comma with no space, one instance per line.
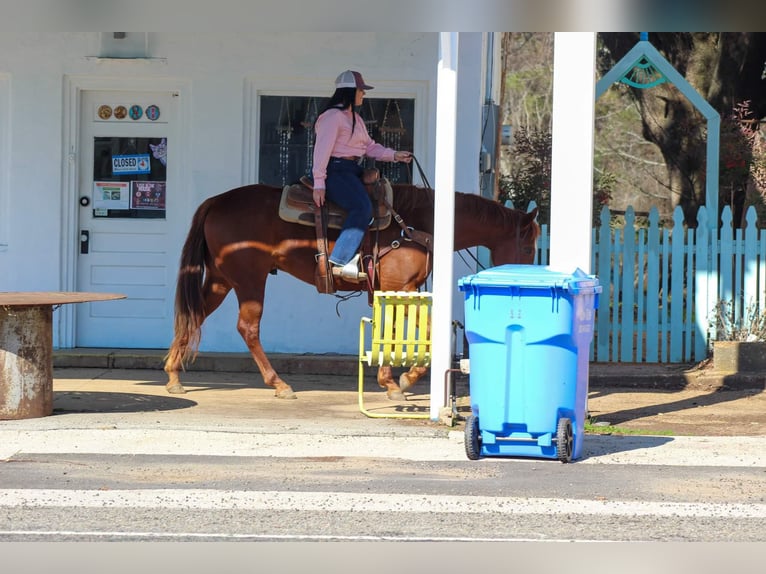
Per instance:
(601,445)
(65,402)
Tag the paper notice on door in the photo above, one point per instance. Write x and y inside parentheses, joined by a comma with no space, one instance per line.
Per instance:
(111,195)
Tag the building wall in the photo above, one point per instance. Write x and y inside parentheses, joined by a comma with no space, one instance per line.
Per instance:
(218,70)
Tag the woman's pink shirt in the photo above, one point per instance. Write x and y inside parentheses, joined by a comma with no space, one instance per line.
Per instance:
(334,138)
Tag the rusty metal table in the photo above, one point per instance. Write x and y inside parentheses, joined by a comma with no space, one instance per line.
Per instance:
(26,349)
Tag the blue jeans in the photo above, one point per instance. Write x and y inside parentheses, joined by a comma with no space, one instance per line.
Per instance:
(345,188)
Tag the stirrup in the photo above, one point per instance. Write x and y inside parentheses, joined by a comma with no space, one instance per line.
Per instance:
(350,271)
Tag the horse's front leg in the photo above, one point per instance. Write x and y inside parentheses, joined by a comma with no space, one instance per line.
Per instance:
(386,381)
(249,326)
(409,378)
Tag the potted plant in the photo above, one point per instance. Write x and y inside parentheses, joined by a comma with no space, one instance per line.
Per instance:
(740,342)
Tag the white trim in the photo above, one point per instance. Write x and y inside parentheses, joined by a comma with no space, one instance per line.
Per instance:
(276,86)
(73,87)
(444,218)
(5,150)
(574,58)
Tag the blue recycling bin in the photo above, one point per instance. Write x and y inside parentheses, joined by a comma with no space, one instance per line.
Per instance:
(529,330)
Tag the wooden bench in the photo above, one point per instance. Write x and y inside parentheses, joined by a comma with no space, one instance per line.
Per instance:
(400,336)
(26,349)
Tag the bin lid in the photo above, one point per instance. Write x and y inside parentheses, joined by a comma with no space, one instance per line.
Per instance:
(532,276)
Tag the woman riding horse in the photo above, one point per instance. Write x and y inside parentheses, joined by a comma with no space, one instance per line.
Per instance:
(236,240)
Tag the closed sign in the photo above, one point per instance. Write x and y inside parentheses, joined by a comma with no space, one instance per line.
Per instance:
(127,164)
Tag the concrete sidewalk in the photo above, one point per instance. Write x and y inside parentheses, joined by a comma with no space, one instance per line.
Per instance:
(128,412)
(114,401)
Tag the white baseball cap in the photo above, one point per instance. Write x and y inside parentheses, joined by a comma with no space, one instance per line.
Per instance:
(351,79)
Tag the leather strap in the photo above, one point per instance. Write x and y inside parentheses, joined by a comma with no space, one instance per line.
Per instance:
(398,218)
(322,274)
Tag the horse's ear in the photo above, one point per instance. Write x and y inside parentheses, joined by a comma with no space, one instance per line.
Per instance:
(530,216)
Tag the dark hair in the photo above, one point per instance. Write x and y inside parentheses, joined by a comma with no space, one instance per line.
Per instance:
(342,99)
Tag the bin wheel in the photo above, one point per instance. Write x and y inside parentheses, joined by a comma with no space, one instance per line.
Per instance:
(472,438)
(564,440)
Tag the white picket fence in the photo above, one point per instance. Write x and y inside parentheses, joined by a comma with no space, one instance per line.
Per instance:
(661,285)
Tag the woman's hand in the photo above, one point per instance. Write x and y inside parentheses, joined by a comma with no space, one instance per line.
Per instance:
(404,156)
(319,197)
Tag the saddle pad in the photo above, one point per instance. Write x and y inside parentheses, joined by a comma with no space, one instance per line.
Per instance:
(296,206)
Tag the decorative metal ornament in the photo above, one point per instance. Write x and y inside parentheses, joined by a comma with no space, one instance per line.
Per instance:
(104,112)
(285,132)
(643,75)
(309,119)
(152,112)
(370,120)
(391,131)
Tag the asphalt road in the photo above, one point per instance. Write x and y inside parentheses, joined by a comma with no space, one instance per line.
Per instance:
(128,463)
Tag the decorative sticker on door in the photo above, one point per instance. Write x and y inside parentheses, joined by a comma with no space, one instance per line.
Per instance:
(147,195)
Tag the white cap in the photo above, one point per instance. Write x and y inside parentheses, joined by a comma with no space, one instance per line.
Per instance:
(351,79)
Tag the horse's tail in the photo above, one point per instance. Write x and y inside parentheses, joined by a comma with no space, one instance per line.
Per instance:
(189,302)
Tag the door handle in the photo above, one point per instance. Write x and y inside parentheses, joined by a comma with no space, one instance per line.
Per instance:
(84,241)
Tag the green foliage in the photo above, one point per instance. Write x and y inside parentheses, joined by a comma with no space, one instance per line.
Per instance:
(530,178)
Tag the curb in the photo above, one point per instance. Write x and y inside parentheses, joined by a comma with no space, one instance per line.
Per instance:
(640,376)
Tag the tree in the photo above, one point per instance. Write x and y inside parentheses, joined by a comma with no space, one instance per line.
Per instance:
(650,144)
(727,69)
(530,178)
(527,106)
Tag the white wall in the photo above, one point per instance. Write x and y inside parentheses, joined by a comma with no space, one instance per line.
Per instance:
(218,68)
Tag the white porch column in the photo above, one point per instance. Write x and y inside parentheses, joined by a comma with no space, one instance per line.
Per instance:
(444,218)
(574,81)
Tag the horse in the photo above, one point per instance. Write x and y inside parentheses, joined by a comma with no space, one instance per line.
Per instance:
(236,239)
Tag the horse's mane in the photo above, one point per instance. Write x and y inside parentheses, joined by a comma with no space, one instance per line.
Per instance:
(408,197)
(487,211)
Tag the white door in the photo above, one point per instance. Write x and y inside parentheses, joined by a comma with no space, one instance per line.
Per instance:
(126,189)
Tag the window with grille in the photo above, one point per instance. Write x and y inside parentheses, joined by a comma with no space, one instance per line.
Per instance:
(287,135)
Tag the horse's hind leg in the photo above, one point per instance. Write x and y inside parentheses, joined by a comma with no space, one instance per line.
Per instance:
(249,326)
(214,292)
(409,378)
(406,381)
(386,381)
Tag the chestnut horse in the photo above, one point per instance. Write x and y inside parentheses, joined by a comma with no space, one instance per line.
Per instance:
(236,239)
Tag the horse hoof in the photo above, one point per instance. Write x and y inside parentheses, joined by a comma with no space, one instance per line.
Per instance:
(396,395)
(177,389)
(286,394)
(404,382)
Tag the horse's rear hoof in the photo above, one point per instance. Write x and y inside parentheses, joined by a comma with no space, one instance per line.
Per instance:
(395,395)
(286,394)
(404,382)
(177,389)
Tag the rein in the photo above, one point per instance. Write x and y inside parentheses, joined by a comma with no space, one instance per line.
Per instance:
(424,179)
(422,174)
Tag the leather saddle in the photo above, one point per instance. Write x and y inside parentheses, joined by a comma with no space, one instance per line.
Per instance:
(296,204)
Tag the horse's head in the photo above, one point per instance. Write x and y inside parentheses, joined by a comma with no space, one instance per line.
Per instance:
(520,244)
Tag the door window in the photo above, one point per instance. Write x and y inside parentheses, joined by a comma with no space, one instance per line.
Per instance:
(129,177)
